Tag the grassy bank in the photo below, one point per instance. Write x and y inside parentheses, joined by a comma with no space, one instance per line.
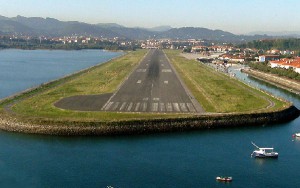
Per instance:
(217,92)
(38,104)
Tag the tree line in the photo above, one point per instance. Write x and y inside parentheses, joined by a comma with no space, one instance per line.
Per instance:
(268,44)
(264,67)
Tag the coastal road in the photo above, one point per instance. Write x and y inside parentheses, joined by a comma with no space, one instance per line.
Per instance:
(153,87)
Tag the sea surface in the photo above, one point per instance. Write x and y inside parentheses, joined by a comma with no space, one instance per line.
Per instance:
(187,159)
(23,69)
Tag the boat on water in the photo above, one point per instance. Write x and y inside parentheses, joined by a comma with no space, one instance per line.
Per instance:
(224,179)
(264,152)
(296,135)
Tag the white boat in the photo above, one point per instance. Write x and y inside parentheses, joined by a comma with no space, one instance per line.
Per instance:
(224,179)
(296,135)
(264,152)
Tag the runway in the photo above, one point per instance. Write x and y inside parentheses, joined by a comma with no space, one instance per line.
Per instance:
(153,87)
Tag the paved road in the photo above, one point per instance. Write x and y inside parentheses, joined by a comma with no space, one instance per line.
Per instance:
(152,87)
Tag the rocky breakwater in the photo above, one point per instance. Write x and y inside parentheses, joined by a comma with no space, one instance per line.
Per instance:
(135,127)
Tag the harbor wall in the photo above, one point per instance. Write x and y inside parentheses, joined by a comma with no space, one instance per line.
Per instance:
(137,127)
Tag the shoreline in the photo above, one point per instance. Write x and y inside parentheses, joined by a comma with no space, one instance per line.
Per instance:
(281,82)
(141,127)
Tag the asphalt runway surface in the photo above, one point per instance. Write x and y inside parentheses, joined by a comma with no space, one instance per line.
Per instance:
(153,87)
(83,102)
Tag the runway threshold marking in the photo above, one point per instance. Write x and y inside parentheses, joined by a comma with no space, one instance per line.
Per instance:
(162,107)
(169,107)
(191,107)
(130,106)
(176,107)
(123,106)
(108,105)
(154,107)
(137,106)
(183,107)
(115,106)
(144,106)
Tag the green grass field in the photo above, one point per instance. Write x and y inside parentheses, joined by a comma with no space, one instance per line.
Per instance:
(215,92)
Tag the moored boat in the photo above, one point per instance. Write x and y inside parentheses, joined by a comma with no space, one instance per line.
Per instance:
(264,152)
(296,135)
(224,179)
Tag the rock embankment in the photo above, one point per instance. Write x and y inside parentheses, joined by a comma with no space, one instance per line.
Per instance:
(130,127)
(284,83)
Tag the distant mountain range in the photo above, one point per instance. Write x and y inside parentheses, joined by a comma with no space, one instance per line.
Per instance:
(36,26)
(295,34)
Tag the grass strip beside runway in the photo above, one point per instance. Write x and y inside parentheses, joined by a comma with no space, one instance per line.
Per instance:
(219,93)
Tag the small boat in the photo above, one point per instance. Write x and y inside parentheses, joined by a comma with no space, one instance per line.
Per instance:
(224,179)
(296,135)
(264,152)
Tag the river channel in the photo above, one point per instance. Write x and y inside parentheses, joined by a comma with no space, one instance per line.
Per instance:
(189,159)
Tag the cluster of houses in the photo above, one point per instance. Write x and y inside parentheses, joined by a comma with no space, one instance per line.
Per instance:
(275,61)
(287,64)
(74,39)
(231,54)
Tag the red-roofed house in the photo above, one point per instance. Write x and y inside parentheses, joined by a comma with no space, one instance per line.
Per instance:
(287,63)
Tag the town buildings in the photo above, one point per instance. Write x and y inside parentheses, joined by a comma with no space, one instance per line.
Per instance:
(287,64)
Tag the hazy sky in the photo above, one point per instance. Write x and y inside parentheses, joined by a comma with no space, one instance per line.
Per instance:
(237,16)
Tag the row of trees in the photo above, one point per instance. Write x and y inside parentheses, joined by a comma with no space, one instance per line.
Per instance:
(280,44)
(264,67)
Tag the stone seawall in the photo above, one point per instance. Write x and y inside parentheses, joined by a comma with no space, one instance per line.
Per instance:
(284,83)
(136,127)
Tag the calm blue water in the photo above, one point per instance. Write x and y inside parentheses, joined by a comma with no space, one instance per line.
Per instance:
(191,159)
(23,69)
